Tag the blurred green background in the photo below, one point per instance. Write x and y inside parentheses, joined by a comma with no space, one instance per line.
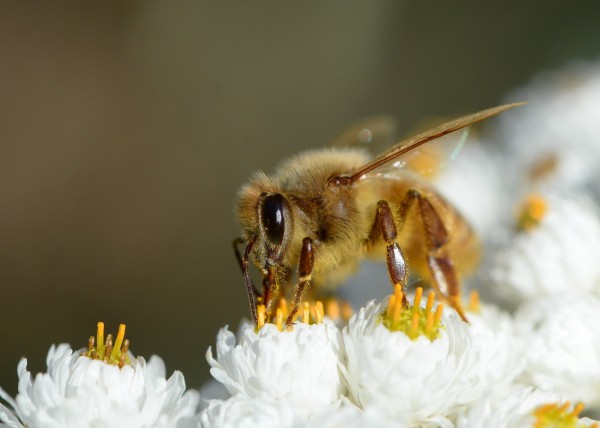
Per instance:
(126,129)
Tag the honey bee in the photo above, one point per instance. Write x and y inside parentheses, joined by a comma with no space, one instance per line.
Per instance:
(323,211)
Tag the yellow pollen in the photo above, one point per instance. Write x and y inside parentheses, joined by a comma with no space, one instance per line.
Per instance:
(429,326)
(430,299)
(347,310)
(261,312)
(474,304)
(100,334)
(398,293)
(397,311)
(283,306)
(119,341)
(306,313)
(332,308)
(555,415)
(578,409)
(279,319)
(418,295)
(389,312)
(414,328)
(414,321)
(319,312)
(104,350)
(531,212)
(438,314)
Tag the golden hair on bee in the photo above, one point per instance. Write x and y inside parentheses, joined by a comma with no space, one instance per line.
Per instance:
(323,211)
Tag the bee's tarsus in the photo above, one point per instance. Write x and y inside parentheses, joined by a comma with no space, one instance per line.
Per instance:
(396,263)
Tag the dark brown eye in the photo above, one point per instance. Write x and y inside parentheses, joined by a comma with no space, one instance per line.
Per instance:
(272,218)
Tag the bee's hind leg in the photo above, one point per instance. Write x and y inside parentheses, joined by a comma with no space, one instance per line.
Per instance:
(395,259)
(305,269)
(441,267)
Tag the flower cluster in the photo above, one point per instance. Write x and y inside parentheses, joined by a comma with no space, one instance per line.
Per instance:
(103,386)
(529,355)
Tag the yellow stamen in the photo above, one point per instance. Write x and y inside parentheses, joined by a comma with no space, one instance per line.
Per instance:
(396,312)
(414,328)
(417,301)
(555,415)
(413,321)
(100,335)
(398,293)
(347,310)
(333,309)
(429,326)
(564,406)
(279,319)
(306,313)
(119,341)
(111,354)
(283,306)
(532,212)
(261,312)
(578,409)
(389,312)
(438,314)
(474,304)
(319,312)
(430,299)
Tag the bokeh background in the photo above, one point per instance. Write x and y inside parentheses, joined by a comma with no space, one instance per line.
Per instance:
(126,129)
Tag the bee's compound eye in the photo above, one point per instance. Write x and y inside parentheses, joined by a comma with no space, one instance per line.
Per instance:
(272,217)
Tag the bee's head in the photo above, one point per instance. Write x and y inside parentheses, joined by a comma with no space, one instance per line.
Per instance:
(265,214)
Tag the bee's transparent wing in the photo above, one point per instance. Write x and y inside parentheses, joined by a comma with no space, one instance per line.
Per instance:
(397,154)
(428,160)
(372,133)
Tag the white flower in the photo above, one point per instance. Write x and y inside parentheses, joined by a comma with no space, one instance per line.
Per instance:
(350,416)
(560,253)
(212,390)
(472,182)
(241,411)
(300,365)
(559,128)
(81,392)
(512,410)
(421,380)
(500,351)
(561,344)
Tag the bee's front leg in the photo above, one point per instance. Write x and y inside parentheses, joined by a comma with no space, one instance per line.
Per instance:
(270,289)
(441,267)
(395,259)
(244,264)
(305,269)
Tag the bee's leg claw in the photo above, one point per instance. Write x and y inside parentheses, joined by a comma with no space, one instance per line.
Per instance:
(305,269)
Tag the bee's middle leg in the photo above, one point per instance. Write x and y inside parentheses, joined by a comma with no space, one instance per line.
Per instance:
(441,266)
(395,259)
(305,269)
